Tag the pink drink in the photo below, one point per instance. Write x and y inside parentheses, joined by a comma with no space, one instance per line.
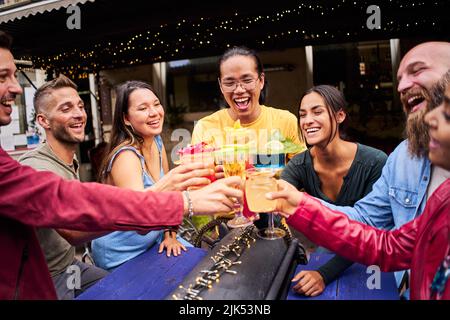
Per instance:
(200,152)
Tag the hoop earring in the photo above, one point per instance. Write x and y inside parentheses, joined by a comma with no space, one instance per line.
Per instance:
(132,129)
(134,135)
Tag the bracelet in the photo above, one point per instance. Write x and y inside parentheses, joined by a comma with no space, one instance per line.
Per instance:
(190,206)
(170,229)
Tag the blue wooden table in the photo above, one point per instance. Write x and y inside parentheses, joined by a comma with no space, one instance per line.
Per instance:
(153,276)
(149,276)
(351,285)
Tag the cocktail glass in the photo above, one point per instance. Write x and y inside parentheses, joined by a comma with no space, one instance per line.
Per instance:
(234,158)
(259,182)
(199,153)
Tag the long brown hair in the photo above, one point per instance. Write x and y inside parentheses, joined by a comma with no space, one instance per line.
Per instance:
(122,134)
(334,102)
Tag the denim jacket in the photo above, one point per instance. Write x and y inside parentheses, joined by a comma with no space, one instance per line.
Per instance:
(397,197)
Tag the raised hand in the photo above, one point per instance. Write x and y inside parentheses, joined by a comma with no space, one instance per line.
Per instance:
(219,174)
(183,177)
(215,198)
(288,198)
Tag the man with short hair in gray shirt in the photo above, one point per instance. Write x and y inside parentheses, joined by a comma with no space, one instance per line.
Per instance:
(60,111)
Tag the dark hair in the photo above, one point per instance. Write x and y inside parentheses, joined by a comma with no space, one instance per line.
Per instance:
(438,90)
(244,51)
(47,88)
(122,134)
(334,102)
(5,40)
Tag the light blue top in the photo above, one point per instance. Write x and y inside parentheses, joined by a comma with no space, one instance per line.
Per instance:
(118,247)
(397,197)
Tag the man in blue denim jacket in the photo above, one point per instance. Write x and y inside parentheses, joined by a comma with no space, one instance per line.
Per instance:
(398,196)
(407,178)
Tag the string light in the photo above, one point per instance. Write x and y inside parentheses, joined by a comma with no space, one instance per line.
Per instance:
(312,22)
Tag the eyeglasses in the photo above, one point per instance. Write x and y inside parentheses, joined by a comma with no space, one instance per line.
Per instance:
(247,84)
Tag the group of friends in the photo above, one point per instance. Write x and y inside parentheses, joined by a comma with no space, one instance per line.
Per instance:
(347,197)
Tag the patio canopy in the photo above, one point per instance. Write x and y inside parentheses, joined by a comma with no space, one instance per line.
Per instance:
(118,33)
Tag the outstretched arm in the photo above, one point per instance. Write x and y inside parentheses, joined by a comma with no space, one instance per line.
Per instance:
(353,240)
(42,199)
(375,208)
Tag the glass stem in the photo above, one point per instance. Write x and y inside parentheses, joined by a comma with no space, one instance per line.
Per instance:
(238,208)
(270,223)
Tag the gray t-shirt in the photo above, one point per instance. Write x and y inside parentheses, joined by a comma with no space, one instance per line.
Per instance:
(58,252)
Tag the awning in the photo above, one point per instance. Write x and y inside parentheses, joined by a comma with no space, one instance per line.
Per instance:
(36,7)
(117,33)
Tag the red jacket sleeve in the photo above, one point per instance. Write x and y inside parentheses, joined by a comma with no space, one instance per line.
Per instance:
(42,199)
(390,250)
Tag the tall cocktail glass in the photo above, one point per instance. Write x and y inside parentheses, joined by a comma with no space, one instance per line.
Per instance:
(234,158)
(258,183)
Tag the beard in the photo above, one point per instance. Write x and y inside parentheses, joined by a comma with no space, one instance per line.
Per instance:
(416,129)
(62,135)
(416,132)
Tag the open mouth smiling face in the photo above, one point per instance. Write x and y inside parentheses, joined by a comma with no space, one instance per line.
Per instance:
(312,131)
(77,127)
(154,124)
(7,101)
(414,101)
(243,103)
(6,104)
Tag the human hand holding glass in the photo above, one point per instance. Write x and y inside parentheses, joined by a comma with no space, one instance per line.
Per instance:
(287,198)
(233,159)
(199,153)
(184,177)
(259,183)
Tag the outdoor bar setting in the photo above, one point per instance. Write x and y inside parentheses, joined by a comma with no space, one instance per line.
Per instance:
(228,153)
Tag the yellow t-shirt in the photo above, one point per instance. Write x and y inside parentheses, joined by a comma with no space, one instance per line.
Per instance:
(261,130)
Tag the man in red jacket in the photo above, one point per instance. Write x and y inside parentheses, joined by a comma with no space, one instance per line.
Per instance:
(31,199)
(423,244)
